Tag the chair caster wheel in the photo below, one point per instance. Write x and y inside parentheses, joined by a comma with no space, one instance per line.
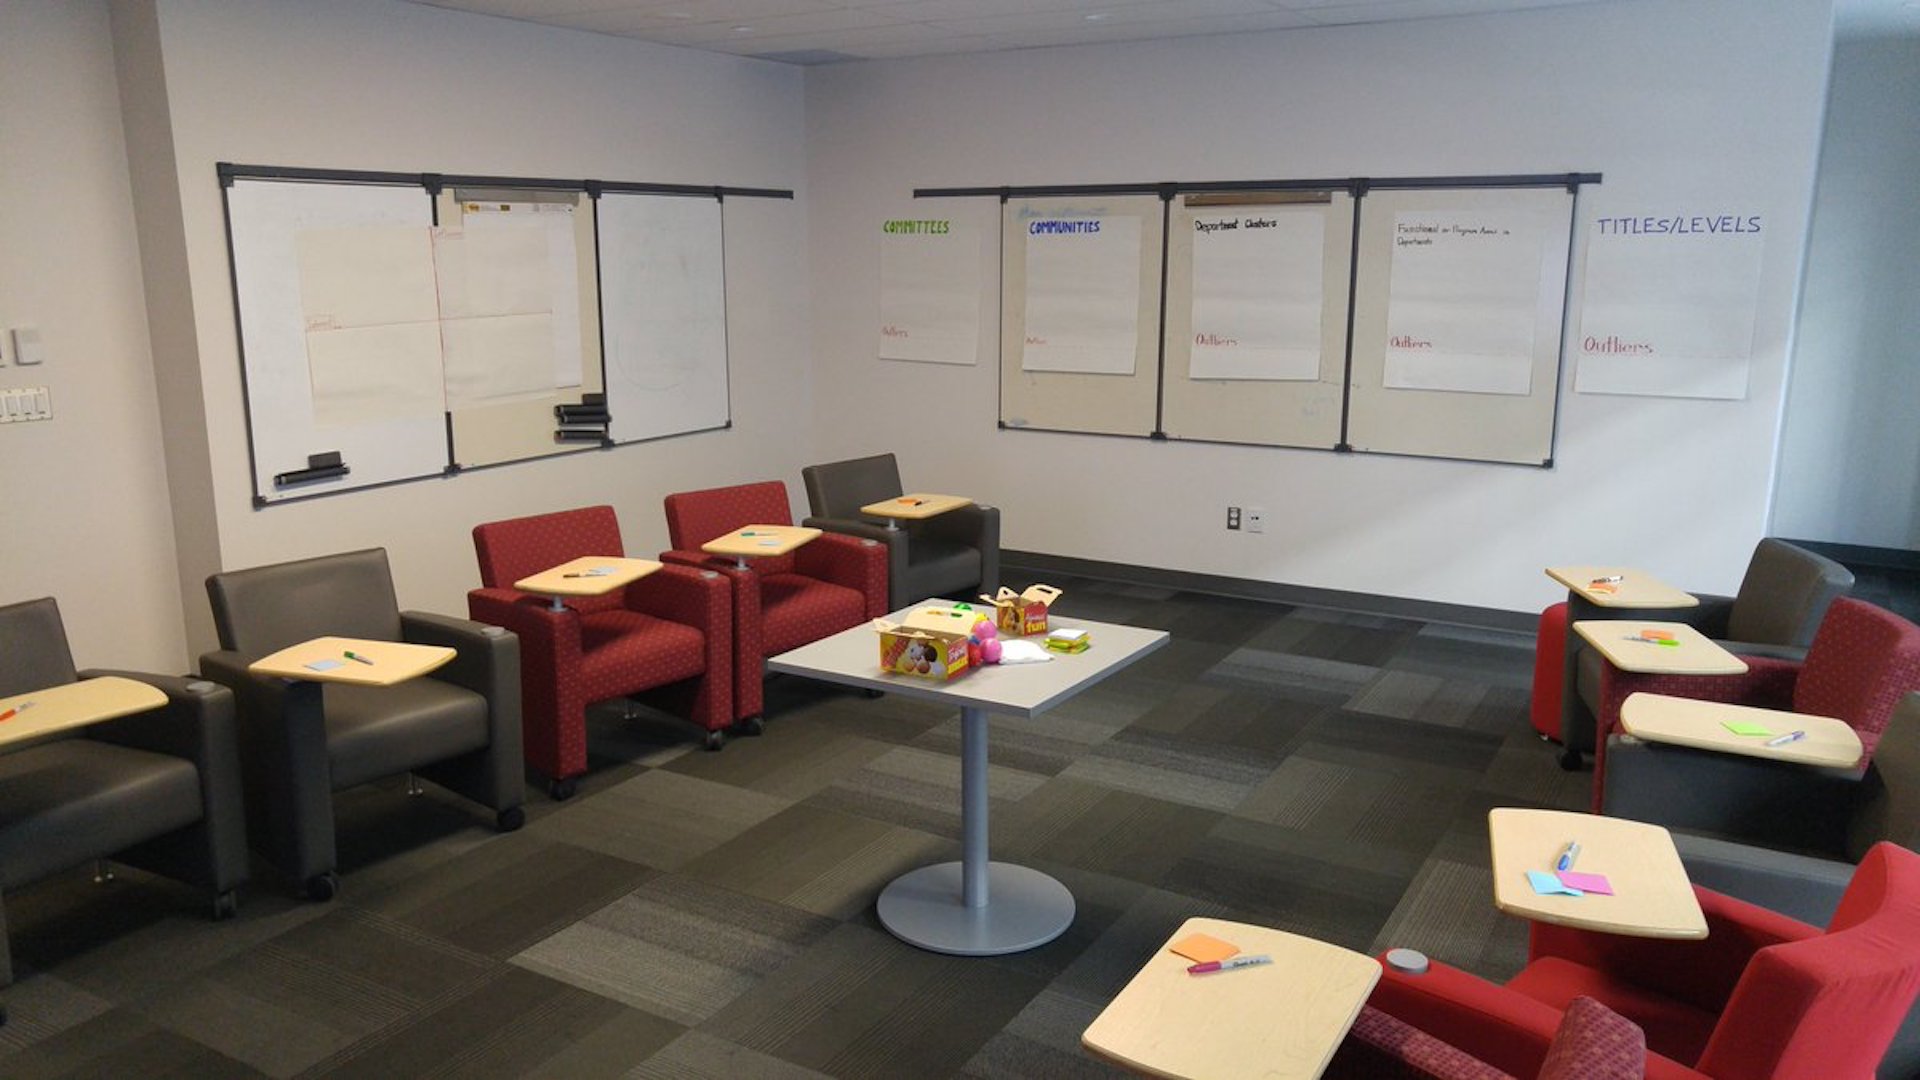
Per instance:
(323,886)
(716,740)
(226,906)
(1570,760)
(510,819)
(752,725)
(562,790)
(871,694)
(3,1015)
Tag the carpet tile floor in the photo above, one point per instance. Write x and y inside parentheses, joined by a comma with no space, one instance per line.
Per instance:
(694,914)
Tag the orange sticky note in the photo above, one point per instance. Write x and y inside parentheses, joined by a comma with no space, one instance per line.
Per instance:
(1202,949)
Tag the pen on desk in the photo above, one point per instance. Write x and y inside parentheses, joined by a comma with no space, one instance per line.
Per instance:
(1566,857)
(351,655)
(1229,964)
(1791,736)
(16,710)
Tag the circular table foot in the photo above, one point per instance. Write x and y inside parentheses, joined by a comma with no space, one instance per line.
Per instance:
(1025,910)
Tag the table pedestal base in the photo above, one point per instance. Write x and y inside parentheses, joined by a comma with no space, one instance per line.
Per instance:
(1027,909)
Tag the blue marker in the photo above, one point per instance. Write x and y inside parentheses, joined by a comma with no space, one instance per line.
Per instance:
(1789,737)
(1567,856)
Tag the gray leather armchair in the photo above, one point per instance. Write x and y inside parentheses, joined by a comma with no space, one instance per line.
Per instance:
(956,554)
(159,790)
(1782,599)
(302,741)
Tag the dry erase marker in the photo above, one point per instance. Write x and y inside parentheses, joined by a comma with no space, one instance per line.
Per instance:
(1789,737)
(16,710)
(1566,857)
(1229,964)
(351,655)
(1610,579)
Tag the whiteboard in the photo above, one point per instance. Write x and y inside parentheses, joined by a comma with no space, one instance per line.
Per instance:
(1459,312)
(664,308)
(1256,332)
(1080,324)
(331,284)
(520,318)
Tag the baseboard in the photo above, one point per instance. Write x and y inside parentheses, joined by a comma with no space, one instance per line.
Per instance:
(1858,555)
(1246,589)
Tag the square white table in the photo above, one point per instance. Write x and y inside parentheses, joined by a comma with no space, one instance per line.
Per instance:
(975,907)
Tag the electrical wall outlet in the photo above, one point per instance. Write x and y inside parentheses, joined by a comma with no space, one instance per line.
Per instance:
(1233,517)
(1256,520)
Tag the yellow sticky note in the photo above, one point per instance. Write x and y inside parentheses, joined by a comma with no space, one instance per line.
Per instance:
(1202,949)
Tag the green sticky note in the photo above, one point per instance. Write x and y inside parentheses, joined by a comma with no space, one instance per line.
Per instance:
(1745,727)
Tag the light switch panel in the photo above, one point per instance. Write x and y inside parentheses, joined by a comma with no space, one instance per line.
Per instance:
(28,347)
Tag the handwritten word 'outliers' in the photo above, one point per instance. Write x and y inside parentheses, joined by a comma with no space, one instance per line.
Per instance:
(1043,228)
(1611,345)
(1700,224)
(918,228)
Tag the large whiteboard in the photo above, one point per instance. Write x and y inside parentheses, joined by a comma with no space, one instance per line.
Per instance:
(341,354)
(1458,317)
(1257,317)
(399,326)
(1080,303)
(664,308)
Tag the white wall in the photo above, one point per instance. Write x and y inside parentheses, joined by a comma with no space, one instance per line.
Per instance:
(1710,102)
(1850,456)
(87,518)
(371,84)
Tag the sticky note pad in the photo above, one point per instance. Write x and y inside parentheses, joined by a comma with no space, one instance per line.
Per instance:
(1204,948)
(1745,727)
(322,665)
(1547,884)
(1586,883)
(770,543)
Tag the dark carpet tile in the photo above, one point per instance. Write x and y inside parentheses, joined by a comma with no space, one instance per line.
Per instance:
(123,1043)
(1253,720)
(1094,827)
(508,894)
(862,1004)
(819,860)
(1178,770)
(697,1055)
(1305,679)
(515,1023)
(659,818)
(1493,657)
(804,758)
(920,789)
(1414,742)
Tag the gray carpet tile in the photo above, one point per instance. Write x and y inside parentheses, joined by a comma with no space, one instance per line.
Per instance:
(693,914)
(818,860)
(676,948)
(698,1055)
(920,789)
(513,1023)
(659,818)
(505,896)
(862,1004)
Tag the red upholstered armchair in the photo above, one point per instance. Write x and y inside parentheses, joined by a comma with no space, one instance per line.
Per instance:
(1592,1043)
(782,602)
(1863,660)
(1763,997)
(671,631)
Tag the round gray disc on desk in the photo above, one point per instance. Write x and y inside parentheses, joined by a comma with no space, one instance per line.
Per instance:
(1411,961)
(1025,909)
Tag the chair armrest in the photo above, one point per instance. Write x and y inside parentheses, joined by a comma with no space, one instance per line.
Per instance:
(1701,973)
(1709,616)
(699,559)
(866,530)
(1501,1027)
(1799,886)
(195,723)
(976,525)
(700,597)
(529,618)
(254,696)
(1759,649)
(1773,803)
(857,564)
(486,657)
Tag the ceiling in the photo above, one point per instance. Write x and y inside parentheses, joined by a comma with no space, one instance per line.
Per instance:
(829,31)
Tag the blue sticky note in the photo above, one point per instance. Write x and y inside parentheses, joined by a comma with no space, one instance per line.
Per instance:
(1546,884)
(322,665)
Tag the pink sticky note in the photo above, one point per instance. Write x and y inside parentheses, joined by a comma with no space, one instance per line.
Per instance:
(1593,883)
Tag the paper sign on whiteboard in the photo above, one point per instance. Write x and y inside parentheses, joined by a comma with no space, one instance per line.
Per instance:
(1669,305)
(1083,295)
(930,291)
(1257,293)
(1463,305)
